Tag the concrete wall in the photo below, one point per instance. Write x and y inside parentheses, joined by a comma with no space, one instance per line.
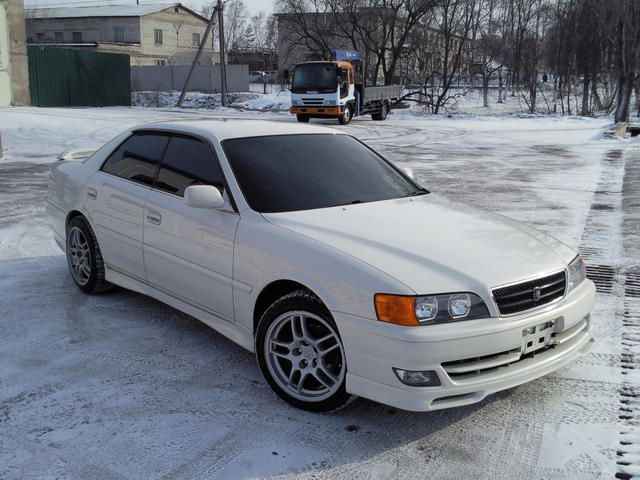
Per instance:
(205,78)
(178,27)
(14,73)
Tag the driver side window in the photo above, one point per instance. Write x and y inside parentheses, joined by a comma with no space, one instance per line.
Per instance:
(188,161)
(344,85)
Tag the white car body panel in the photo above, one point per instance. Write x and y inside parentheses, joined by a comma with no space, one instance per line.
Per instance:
(214,264)
(117,212)
(190,252)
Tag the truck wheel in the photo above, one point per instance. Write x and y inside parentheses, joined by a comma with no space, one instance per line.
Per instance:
(303,118)
(347,115)
(382,114)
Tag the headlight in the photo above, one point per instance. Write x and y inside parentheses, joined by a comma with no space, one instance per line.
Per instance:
(577,272)
(429,309)
(295,102)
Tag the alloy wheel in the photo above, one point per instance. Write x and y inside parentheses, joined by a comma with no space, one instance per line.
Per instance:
(79,255)
(304,355)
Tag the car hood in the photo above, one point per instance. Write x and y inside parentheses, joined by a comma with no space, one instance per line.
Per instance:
(431,244)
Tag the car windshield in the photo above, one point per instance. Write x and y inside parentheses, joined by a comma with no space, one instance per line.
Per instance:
(284,173)
(319,77)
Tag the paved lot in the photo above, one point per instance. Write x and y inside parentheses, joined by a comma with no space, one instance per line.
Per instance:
(121,386)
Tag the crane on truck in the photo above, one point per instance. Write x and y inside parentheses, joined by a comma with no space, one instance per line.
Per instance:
(336,89)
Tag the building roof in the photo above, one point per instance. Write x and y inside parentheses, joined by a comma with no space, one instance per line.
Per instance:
(103,11)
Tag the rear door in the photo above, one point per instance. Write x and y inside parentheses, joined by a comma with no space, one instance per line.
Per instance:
(116,196)
(188,251)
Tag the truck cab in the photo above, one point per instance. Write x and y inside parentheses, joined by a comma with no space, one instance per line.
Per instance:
(323,89)
(336,89)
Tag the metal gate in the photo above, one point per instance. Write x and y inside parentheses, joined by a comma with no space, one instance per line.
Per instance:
(61,77)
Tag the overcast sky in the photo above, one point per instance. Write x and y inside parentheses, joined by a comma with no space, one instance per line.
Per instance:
(254,6)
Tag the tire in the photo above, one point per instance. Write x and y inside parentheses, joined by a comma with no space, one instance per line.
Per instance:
(84,257)
(382,114)
(346,116)
(302,118)
(296,321)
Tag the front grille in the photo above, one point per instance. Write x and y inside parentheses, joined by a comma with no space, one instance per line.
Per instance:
(520,297)
(313,101)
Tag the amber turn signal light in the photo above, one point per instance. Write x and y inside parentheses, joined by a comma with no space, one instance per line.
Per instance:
(398,309)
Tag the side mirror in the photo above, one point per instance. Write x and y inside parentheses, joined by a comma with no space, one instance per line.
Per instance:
(409,172)
(203,196)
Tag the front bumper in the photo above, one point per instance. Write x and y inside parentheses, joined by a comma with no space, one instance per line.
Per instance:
(317,111)
(489,351)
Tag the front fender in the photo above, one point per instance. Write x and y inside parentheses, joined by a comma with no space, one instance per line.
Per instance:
(265,253)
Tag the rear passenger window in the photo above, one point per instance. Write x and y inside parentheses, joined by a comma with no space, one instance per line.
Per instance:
(137,157)
(186,162)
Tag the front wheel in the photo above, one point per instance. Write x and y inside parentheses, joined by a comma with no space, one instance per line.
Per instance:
(346,116)
(300,353)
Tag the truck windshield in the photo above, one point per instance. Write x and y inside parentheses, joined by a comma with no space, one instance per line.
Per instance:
(316,77)
(285,173)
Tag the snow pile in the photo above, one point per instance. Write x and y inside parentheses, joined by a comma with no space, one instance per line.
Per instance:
(238,100)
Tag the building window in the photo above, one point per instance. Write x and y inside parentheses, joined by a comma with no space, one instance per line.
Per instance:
(195,39)
(40,37)
(161,63)
(157,36)
(118,33)
(76,37)
(59,37)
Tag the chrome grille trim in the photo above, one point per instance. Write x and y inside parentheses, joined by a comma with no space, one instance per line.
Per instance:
(519,297)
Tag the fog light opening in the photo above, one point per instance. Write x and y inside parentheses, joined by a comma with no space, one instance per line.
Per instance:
(419,378)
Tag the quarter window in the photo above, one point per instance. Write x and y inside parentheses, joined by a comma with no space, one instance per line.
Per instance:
(187,162)
(137,158)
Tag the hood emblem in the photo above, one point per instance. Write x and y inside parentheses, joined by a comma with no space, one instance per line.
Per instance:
(536,294)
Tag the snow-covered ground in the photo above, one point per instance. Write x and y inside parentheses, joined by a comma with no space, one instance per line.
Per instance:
(121,386)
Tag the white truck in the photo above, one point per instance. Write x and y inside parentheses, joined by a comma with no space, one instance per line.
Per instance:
(336,89)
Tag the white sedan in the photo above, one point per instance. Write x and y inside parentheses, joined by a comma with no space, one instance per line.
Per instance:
(343,274)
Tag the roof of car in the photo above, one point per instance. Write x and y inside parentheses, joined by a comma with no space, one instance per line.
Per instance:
(223,128)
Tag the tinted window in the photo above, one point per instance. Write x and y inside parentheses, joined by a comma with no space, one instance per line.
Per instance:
(301,172)
(188,162)
(320,77)
(136,159)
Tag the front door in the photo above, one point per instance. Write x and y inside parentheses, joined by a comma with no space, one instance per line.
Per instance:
(188,252)
(116,196)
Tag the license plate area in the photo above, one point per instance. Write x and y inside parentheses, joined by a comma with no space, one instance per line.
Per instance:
(537,337)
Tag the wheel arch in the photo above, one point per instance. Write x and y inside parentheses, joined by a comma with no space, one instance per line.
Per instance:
(272,292)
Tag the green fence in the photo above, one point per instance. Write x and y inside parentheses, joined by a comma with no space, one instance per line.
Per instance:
(78,78)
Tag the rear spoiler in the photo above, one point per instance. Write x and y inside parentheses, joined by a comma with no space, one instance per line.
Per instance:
(76,155)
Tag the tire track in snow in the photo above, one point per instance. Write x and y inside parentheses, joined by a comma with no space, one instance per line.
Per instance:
(628,453)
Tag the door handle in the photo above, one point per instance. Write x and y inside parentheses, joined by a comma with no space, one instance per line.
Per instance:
(92,192)
(154,217)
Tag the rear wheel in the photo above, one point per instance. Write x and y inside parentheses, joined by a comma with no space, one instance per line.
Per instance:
(302,118)
(84,257)
(382,113)
(301,354)
(346,116)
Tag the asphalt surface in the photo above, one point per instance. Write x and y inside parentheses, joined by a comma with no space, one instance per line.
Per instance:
(121,386)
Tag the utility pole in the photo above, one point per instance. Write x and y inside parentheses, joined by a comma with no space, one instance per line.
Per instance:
(223,67)
(203,42)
